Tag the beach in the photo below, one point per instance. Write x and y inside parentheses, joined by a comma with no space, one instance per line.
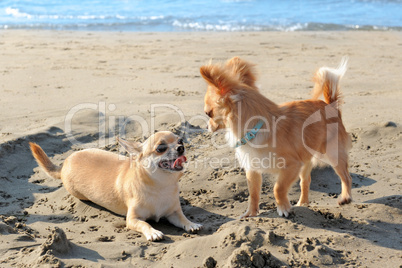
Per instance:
(71,90)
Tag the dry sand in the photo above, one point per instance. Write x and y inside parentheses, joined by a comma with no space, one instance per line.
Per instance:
(45,75)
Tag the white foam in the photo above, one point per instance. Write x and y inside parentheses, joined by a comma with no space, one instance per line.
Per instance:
(16,13)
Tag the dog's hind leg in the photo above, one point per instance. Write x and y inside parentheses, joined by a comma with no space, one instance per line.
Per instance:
(254,182)
(305,179)
(339,161)
(342,170)
(286,178)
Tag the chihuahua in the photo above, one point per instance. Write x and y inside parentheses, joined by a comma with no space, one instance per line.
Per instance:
(286,139)
(140,187)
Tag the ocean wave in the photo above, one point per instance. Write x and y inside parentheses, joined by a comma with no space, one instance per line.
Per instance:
(16,13)
(199,26)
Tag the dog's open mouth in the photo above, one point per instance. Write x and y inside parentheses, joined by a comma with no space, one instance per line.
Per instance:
(174,164)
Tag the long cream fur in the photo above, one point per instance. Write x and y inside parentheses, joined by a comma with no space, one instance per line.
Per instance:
(294,134)
(134,187)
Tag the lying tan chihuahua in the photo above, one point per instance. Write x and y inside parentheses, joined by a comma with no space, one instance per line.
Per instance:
(144,186)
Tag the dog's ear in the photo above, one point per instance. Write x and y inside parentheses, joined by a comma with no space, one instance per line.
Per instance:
(243,70)
(219,78)
(131,147)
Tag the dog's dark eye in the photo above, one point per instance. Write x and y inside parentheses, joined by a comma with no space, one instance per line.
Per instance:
(180,141)
(161,148)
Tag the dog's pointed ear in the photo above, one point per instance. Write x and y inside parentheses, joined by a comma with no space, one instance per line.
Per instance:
(132,147)
(243,70)
(217,77)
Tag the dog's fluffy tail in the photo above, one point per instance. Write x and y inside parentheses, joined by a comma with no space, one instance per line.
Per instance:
(327,82)
(44,161)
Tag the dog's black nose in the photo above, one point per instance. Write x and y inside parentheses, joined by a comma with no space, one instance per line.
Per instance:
(180,149)
(210,114)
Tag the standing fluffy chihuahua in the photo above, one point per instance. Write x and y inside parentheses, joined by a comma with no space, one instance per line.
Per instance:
(144,186)
(285,139)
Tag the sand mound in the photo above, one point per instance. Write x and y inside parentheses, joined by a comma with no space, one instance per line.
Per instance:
(56,241)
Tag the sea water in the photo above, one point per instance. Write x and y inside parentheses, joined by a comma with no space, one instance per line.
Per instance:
(201,15)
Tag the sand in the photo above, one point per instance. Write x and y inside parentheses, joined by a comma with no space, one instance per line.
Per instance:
(68,90)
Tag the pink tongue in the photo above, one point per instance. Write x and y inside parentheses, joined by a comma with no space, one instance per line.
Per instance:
(179,161)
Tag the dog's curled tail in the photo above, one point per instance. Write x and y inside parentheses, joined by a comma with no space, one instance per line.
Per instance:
(327,82)
(43,160)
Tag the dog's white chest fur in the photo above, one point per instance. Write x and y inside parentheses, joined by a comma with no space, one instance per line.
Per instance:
(254,157)
(160,200)
(164,203)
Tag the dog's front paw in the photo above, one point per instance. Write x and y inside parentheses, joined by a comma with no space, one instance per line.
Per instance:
(192,227)
(249,213)
(343,200)
(284,210)
(154,235)
(302,203)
